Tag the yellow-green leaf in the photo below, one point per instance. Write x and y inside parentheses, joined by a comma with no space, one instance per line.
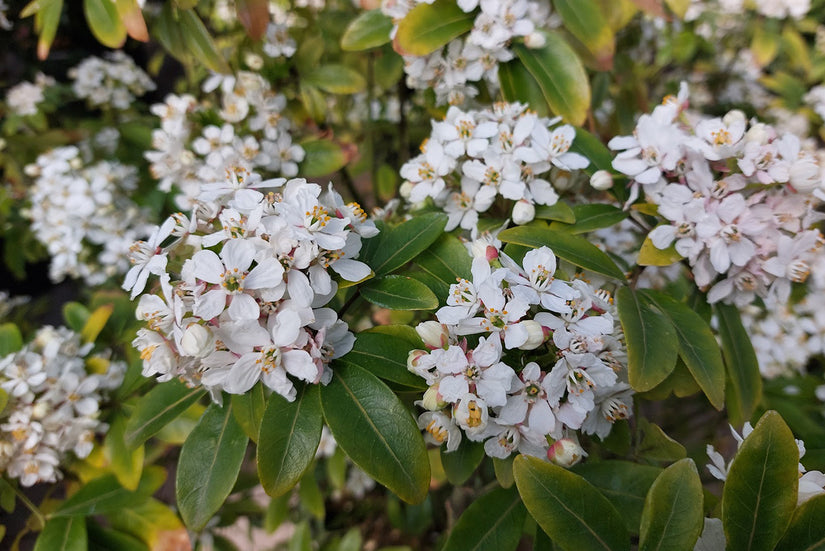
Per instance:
(132,18)
(199,42)
(369,30)
(45,23)
(97,320)
(587,23)
(428,27)
(336,79)
(104,22)
(650,255)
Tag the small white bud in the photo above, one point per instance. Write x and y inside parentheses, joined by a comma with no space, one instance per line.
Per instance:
(565,452)
(734,117)
(434,334)
(405,190)
(253,61)
(197,341)
(431,401)
(601,180)
(523,212)
(535,40)
(562,179)
(535,335)
(758,133)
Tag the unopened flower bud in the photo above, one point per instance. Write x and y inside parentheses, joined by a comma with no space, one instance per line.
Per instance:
(601,180)
(561,179)
(565,452)
(76,163)
(197,341)
(758,133)
(431,401)
(535,40)
(805,175)
(535,335)
(405,190)
(413,357)
(253,61)
(434,334)
(40,410)
(523,212)
(734,117)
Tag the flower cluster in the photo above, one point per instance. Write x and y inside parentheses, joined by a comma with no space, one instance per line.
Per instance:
(738,200)
(549,360)
(53,404)
(113,82)
(779,9)
(248,302)
(83,214)
(450,70)
(472,157)
(23,98)
(252,134)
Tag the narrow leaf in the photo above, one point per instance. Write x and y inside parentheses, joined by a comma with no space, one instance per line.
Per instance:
(254,16)
(673,516)
(97,320)
(377,432)
(289,437)
(46,22)
(575,515)
(427,27)
(595,216)
(249,410)
(597,153)
(369,30)
(132,18)
(199,42)
(104,22)
(157,408)
(126,463)
(493,521)
(396,246)
(761,489)
(398,292)
(210,461)
(744,388)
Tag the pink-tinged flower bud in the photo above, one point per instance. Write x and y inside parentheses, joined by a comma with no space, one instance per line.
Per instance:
(565,452)
(535,40)
(734,117)
(197,341)
(523,212)
(434,334)
(601,180)
(431,401)
(413,357)
(253,61)
(536,335)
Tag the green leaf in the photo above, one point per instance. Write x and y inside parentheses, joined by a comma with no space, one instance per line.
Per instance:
(624,484)
(744,385)
(336,79)
(575,515)
(385,356)
(249,410)
(254,16)
(595,216)
(395,246)
(651,339)
(651,255)
(76,316)
(462,462)
(99,496)
(369,30)
(493,521)
(309,494)
(594,150)
(585,21)
(760,492)
(398,292)
(157,408)
(168,32)
(146,521)
(427,27)
(517,84)
(504,471)
(126,463)
(806,530)
(560,75)
(573,248)
(560,212)
(105,539)
(209,463)
(673,516)
(46,22)
(104,22)
(4,401)
(10,339)
(63,534)
(377,432)
(447,260)
(129,12)
(199,42)
(290,433)
(657,445)
(322,157)
(697,346)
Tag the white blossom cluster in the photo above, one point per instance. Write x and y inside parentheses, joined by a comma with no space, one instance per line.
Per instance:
(549,359)
(451,70)
(113,82)
(738,199)
(779,9)
(248,301)
(472,157)
(83,214)
(252,134)
(53,406)
(811,483)
(23,98)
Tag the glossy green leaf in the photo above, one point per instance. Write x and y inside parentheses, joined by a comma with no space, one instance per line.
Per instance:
(595,216)
(651,255)
(322,157)
(10,339)
(289,437)
(377,431)
(462,462)
(697,346)
(105,539)
(209,463)
(126,463)
(395,246)
(398,292)
(573,248)
(624,484)
(585,21)
(744,382)
(760,492)
(199,42)
(447,260)
(336,79)
(157,408)
(166,30)
(104,22)
(428,27)
(76,316)
(575,515)
(132,17)
(560,75)
(385,356)
(493,521)
(560,212)
(504,471)
(657,445)
(673,516)
(254,16)
(765,44)
(249,410)
(369,30)
(63,534)
(517,84)
(600,157)
(651,339)
(99,496)
(806,531)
